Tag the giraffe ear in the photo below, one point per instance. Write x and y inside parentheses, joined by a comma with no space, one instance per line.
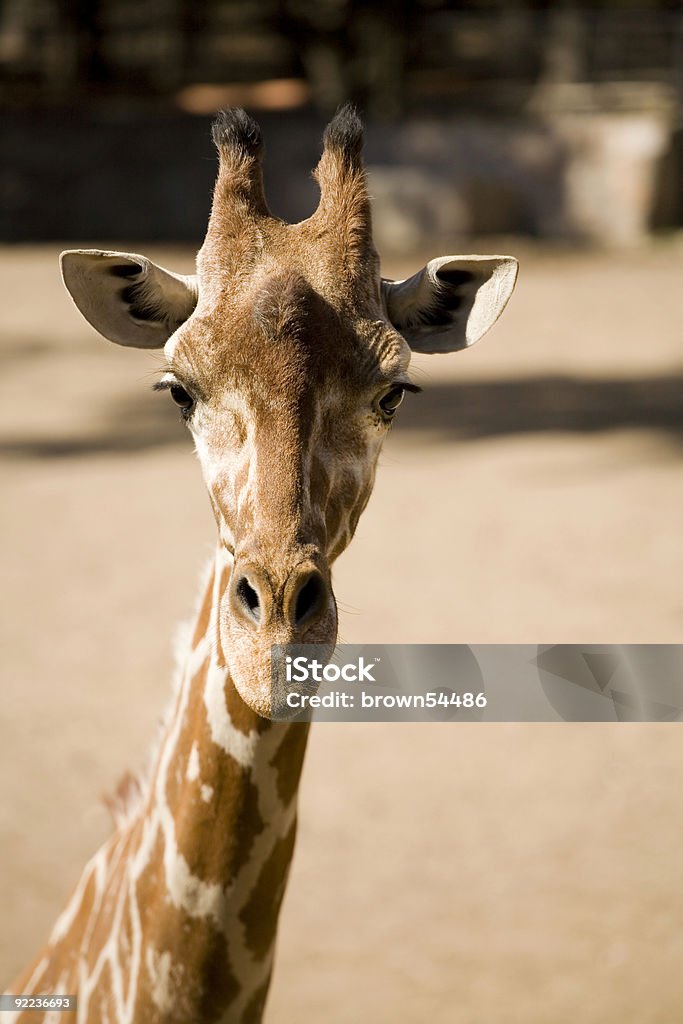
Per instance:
(126,297)
(452,302)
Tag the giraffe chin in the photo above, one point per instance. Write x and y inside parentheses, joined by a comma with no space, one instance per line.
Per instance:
(259,679)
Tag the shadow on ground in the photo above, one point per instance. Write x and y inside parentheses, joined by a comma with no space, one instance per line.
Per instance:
(448,412)
(559,403)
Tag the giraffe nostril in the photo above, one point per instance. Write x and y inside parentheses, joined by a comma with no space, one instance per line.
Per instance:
(248,598)
(310,599)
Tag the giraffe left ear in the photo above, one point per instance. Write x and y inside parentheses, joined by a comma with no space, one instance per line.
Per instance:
(126,297)
(452,302)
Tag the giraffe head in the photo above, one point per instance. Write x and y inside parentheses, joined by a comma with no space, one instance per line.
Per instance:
(288,357)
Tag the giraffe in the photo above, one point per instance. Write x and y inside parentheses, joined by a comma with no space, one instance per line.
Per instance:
(288,356)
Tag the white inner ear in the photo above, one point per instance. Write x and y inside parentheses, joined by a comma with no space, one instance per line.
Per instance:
(452,302)
(126,297)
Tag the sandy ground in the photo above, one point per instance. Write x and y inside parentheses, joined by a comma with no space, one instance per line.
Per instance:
(533,493)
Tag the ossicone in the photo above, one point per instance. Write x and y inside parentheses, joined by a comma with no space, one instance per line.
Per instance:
(234,129)
(239,186)
(344,134)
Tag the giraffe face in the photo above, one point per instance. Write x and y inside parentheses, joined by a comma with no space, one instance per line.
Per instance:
(288,356)
(289,398)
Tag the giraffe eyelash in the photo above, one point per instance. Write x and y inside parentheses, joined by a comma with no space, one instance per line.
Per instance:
(188,383)
(183,397)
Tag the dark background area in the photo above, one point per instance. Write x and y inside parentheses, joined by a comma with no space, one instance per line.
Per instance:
(106,105)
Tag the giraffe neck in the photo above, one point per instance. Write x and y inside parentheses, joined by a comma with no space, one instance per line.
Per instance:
(222,805)
(175,917)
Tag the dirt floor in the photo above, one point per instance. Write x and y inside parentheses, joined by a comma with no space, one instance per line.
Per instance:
(444,874)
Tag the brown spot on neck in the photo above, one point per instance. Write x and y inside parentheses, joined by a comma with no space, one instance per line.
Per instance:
(288,761)
(260,913)
(215,837)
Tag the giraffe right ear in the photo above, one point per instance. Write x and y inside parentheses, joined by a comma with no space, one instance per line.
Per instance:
(126,297)
(452,302)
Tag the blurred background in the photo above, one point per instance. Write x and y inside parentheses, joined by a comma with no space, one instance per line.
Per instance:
(556,120)
(450,874)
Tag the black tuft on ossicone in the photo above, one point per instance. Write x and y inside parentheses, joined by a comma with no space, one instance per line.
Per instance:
(344,133)
(234,128)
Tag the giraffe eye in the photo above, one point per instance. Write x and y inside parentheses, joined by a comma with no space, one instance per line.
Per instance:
(181,397)
(390,401)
